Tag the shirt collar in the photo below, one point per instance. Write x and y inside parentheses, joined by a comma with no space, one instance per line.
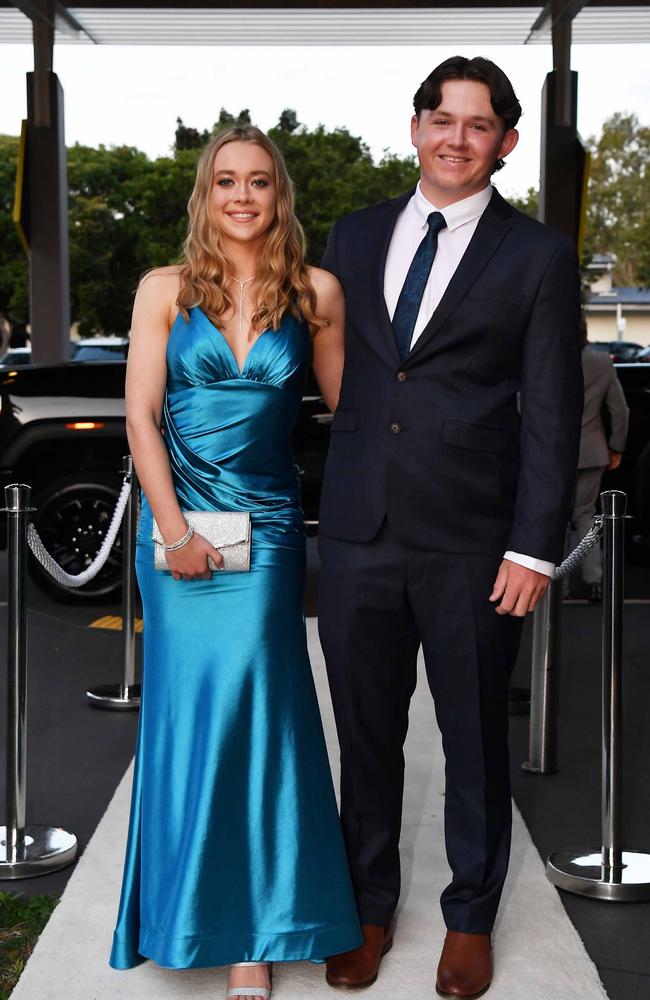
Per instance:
(456,214)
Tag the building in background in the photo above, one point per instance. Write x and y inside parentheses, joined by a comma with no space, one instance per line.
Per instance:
(615,313)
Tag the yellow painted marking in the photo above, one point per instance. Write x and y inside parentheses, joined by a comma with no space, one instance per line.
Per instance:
(114,622)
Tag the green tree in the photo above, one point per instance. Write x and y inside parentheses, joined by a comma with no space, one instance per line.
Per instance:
(107,233)
(618,206)
(129,213)
(334,174)
(189,138)
(227,120)
(618,219)
(288,121)
(527,204)
(14,274)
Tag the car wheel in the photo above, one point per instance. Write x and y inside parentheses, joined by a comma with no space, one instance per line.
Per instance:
(72,517)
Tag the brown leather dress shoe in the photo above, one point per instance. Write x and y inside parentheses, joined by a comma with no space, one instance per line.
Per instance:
(465,968)
(356,969)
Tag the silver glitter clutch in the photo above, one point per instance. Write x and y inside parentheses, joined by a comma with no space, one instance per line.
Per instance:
(227,531)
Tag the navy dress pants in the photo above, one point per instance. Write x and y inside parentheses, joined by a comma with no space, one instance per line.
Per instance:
(379,601)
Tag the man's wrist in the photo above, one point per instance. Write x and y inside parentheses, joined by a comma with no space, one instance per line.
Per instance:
(538,565)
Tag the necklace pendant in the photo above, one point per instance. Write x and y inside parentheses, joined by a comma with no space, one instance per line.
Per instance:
(242,285)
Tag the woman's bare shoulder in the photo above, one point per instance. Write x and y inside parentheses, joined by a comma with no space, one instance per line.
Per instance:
(169,276)
(323,281)
(158,289)
(330,301)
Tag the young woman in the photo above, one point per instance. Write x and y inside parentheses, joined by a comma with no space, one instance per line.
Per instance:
(234,853)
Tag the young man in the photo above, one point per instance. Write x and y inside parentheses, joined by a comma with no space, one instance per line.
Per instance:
(598,450)
(445,502)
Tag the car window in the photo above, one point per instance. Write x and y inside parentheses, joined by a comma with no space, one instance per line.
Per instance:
(16,357)
(106,353)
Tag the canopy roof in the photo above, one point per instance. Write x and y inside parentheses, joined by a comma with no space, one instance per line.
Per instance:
(484,22)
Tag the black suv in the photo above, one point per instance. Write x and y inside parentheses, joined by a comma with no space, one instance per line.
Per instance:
(62,432)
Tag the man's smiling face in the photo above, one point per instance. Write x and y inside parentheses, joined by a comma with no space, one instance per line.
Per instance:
(460,142)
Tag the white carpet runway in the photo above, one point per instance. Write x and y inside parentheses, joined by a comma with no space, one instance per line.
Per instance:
(538,954)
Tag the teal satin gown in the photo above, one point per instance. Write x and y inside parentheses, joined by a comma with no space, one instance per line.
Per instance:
(234,850)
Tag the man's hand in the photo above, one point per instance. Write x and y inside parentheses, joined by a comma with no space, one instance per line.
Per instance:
(518,589)
(615,458)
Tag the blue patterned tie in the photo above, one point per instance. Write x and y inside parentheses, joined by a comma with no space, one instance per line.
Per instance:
(408,304)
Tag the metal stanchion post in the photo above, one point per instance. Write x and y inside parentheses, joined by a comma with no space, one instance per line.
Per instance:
(542,740)
(609,872)
(24,850)
(126,694)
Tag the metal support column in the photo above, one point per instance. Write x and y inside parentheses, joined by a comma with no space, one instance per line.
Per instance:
(47,183)
(24,850)
(562,153)
(126,693)
(542,739)
(610,872)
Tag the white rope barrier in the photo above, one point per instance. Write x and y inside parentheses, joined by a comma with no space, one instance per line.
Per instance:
(79,579)
(88,574)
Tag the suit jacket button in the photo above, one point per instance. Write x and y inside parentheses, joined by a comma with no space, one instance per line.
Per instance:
(402,376)
(395,428)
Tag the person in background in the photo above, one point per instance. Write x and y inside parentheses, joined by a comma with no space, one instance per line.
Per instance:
(598,452)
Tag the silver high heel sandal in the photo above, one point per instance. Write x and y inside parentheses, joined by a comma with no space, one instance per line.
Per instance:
(251,991)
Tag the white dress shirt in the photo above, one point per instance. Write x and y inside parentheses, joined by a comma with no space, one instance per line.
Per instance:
(462,218)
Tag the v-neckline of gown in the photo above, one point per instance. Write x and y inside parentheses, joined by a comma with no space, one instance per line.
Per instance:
(240,371)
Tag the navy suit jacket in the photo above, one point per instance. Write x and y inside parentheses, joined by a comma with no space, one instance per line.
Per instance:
(469,445)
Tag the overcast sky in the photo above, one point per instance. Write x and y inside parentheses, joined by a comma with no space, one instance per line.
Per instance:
(133,95)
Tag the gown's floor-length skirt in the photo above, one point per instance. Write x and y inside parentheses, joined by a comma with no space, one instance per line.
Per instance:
(234,850)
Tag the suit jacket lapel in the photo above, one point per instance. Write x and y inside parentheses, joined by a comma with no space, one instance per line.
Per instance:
(492,227)
(377,264)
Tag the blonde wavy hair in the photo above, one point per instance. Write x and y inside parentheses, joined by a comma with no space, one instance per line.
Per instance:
(283,285)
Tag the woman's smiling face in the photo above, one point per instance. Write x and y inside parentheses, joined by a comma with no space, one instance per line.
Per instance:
(243,194)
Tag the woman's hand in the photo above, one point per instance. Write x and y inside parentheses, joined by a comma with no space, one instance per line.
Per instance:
(191,562)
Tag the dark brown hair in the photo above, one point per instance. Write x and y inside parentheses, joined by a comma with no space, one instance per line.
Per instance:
(502,96)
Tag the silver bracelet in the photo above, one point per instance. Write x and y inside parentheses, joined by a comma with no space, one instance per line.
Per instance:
(181,541)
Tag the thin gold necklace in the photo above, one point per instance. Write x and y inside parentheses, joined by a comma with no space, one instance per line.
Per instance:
(242,284)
